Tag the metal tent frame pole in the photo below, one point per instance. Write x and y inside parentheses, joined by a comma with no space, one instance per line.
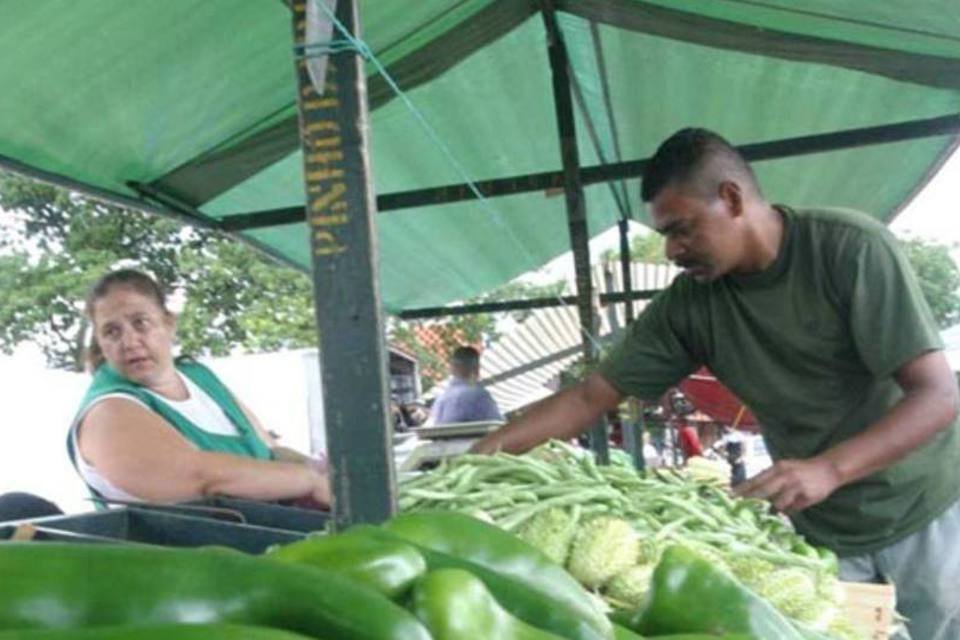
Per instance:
(625,272)
(518,305)
(513,185)
(575,202)
(631,431)
(340,214)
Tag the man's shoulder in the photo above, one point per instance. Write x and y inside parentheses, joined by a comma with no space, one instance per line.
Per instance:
(474,390)
(462,389)
(830,220)
(838,236)
(453,388)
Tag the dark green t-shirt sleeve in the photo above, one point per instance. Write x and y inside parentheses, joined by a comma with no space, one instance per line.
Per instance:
(890,320)
(651,357)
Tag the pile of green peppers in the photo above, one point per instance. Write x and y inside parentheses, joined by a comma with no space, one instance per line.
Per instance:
(440,576)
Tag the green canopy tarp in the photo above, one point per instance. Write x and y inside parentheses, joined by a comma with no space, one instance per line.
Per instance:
(193,101)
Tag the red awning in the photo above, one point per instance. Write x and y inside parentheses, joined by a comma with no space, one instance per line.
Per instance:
(712,398)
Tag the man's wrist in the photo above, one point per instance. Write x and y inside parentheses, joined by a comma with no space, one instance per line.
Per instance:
(835,467)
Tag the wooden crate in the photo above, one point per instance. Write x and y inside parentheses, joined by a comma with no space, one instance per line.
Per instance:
(870,607)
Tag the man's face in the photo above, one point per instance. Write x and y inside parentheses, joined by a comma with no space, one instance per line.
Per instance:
(700,233)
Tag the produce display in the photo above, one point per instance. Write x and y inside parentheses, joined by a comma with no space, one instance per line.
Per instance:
(70,585)
(569,551)
(174,631)
(610,525)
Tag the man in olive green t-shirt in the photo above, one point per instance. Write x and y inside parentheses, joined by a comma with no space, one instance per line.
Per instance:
(815,320)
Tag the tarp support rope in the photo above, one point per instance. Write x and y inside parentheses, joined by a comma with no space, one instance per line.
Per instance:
(360,46)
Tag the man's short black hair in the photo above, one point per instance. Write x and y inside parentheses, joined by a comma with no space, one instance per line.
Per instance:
(466,356)
(696,157)
(465,362)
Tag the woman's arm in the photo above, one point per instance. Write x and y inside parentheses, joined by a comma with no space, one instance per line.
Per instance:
(283,454)
(142,454)
(929,405)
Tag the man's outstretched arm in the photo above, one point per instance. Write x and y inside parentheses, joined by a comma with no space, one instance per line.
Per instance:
(561,416)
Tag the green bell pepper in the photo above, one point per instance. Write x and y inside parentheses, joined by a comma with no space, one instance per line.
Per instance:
(156,632)
(811,634)
(619,633)
(390,566)
(700,636)
(622,633)
(805,550)
(62,585)
(688,594)
(520,577)
(455,605)
(829,560)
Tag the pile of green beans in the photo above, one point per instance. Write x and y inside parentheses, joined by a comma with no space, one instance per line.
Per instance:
(665,505)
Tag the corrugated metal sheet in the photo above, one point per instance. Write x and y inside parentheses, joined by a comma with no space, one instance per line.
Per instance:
(524,365)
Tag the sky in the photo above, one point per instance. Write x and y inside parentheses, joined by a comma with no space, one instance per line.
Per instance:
(932,215)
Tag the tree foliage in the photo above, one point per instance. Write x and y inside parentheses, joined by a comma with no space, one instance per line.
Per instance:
(644,247)
(648,248)
(432,342)
(939,278)
(54,244)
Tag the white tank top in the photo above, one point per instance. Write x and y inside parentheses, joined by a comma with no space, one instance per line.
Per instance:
(199,408)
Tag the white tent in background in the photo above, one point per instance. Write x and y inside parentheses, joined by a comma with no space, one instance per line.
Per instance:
(951,342)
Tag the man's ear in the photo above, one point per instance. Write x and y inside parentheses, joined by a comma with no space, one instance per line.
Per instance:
(732,196)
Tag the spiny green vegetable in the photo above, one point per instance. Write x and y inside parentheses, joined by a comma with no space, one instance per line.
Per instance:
(793,592)
(629,587)
(843,629)
(710,554)
(552,532)
(649,550)
(602,548)
(829,587)
(749,569)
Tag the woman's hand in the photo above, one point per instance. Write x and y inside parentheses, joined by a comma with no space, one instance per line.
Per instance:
(321,492)
(320,495)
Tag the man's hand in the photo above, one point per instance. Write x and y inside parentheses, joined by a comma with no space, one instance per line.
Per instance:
(563,416)
(489,443)
(793,485)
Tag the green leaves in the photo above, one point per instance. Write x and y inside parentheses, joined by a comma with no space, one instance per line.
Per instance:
(55,244)
(939,278)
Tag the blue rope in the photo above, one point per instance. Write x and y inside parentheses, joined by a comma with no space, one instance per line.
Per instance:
(360,46)
(320,49)
(355,44)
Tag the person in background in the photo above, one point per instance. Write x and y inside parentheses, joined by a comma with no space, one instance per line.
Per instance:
(417,413)
(463,400)
(730,446)
(152,428)
(816,321)
(688,439)
(656,428)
